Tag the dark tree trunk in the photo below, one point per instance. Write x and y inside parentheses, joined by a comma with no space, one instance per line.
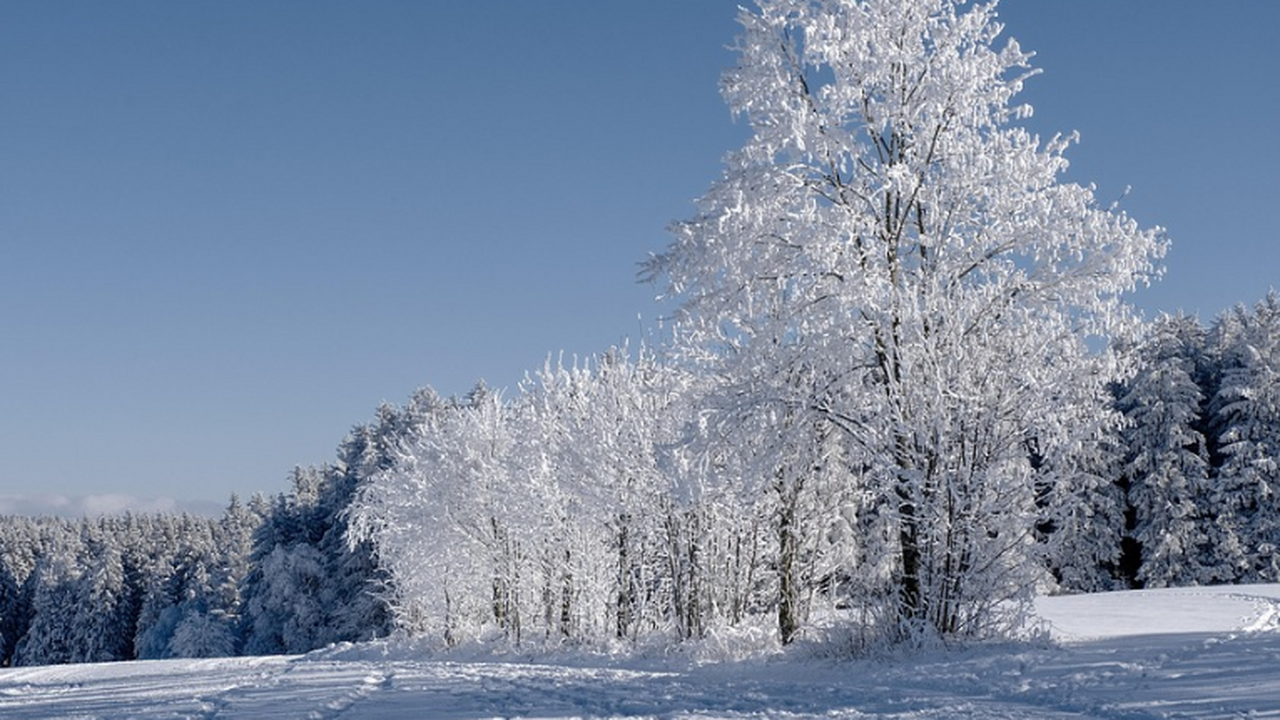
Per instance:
(909,539)
(624,599)
(788,587)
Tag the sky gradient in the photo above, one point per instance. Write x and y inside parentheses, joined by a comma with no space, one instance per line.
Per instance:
(231,229)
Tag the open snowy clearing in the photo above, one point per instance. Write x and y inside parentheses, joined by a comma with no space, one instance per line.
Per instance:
(1198,652)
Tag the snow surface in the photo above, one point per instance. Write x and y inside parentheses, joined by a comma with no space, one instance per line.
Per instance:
(1195,652)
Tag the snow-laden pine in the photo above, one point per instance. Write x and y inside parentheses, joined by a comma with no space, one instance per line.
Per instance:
(1167,469)
(1245,423)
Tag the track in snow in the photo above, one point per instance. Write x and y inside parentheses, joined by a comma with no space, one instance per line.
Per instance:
(1199,653)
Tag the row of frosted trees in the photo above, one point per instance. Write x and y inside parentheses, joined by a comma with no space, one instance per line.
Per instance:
(591,509)
(611,502)
(624,500)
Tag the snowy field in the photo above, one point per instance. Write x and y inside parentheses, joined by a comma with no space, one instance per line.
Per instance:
(1198,653)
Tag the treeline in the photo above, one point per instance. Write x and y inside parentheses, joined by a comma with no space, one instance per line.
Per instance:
(599,506)
(1195,468)
(118,588)
(602,505)
(273,575)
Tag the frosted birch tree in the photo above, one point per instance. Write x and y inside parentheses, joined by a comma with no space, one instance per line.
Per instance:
(444,517)
(893,255)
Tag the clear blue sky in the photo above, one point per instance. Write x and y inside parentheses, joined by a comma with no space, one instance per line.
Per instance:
(231,229)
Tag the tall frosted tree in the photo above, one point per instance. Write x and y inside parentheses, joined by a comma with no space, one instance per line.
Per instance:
(893,255)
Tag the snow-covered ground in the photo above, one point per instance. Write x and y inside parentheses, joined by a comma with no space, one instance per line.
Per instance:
(1201,653)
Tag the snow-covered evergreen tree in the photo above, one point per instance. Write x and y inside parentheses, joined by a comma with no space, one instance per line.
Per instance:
(354,590)
(54,588)
(1167,468)
(17,537)
(199,633)
(233,538)
(1242,510)
(9,609)
(1084,516)
(311,521)
(157,593)
(280,610)
(103,625)
(285,613)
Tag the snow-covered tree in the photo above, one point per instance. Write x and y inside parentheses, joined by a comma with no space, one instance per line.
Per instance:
(398,513)
(285,614)
(1167,468)
(891,254)
(49,639)
(185,579)
(779,486)
(353,592)
(590,442)
(442,519)
(202,634)
(1242,510)
(17,559)
(9,610)
(311,520)
(105,611)
(1083,520)
(233,538)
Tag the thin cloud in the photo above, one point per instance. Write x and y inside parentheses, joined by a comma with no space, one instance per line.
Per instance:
(99,505)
